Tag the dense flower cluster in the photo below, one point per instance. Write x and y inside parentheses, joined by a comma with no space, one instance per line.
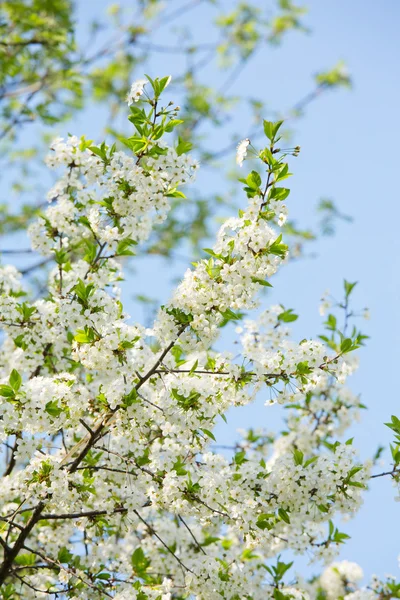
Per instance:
(113,486)
(84,208)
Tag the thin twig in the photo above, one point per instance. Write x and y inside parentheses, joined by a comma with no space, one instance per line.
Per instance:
(192,534)
(153,532)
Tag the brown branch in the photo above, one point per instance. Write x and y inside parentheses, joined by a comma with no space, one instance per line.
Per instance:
(395,472)
(5,546)
(82,515)
(99,431)
(35,589)
(22,90)
(33,41)
(167,18)
(214,510)
(199,372)
(13,552)
(176,49)
(192,535)
(12,461)
(20,114)
(16,251)
(51,561)
(37,265)
(153,532)
(46,352)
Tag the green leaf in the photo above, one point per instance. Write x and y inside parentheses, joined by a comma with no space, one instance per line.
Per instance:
(267,215)
(346,345)
(240,457)
(267,156)
(189,402)
(348,287)
(139,561)
(278,595)
(298,456)
(25,559)
(64,555)
(85,336)
(303,368)
(331,322)
(208,433)
(340,537)
(210,540)
(331,528)
(53,409)
(179,468)
(278,248)
(276,126)
(194,367)
(103,576)
(229,315)
(288,316)
(123,248)
(135,143)
(99,152)
(278,193)
(211,252)
(172,124)
(183,147)
(179,315)
(81,337)
(261,282)
(281,568)
(309,461)
(283,173)
(163,82)
(19,341)
(131,398)
(15,380)
(357,484)
(264,521)
(283,515)
(175,194)
(268,129)
(91,251)
(253,180)
(6,391)
(394,425)
(83,291)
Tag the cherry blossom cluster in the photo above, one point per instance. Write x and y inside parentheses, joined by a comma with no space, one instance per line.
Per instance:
(112,200)
(114,486)
(344,579)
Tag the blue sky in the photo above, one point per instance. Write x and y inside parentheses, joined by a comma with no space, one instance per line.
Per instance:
(350,152)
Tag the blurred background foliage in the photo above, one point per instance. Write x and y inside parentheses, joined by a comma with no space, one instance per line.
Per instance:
(54,68)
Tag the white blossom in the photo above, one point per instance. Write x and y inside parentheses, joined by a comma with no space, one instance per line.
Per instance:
(241,151)
(136,91)
(110,423)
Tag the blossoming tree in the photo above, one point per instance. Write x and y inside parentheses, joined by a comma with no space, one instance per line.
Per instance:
(55,63)
(113,486)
